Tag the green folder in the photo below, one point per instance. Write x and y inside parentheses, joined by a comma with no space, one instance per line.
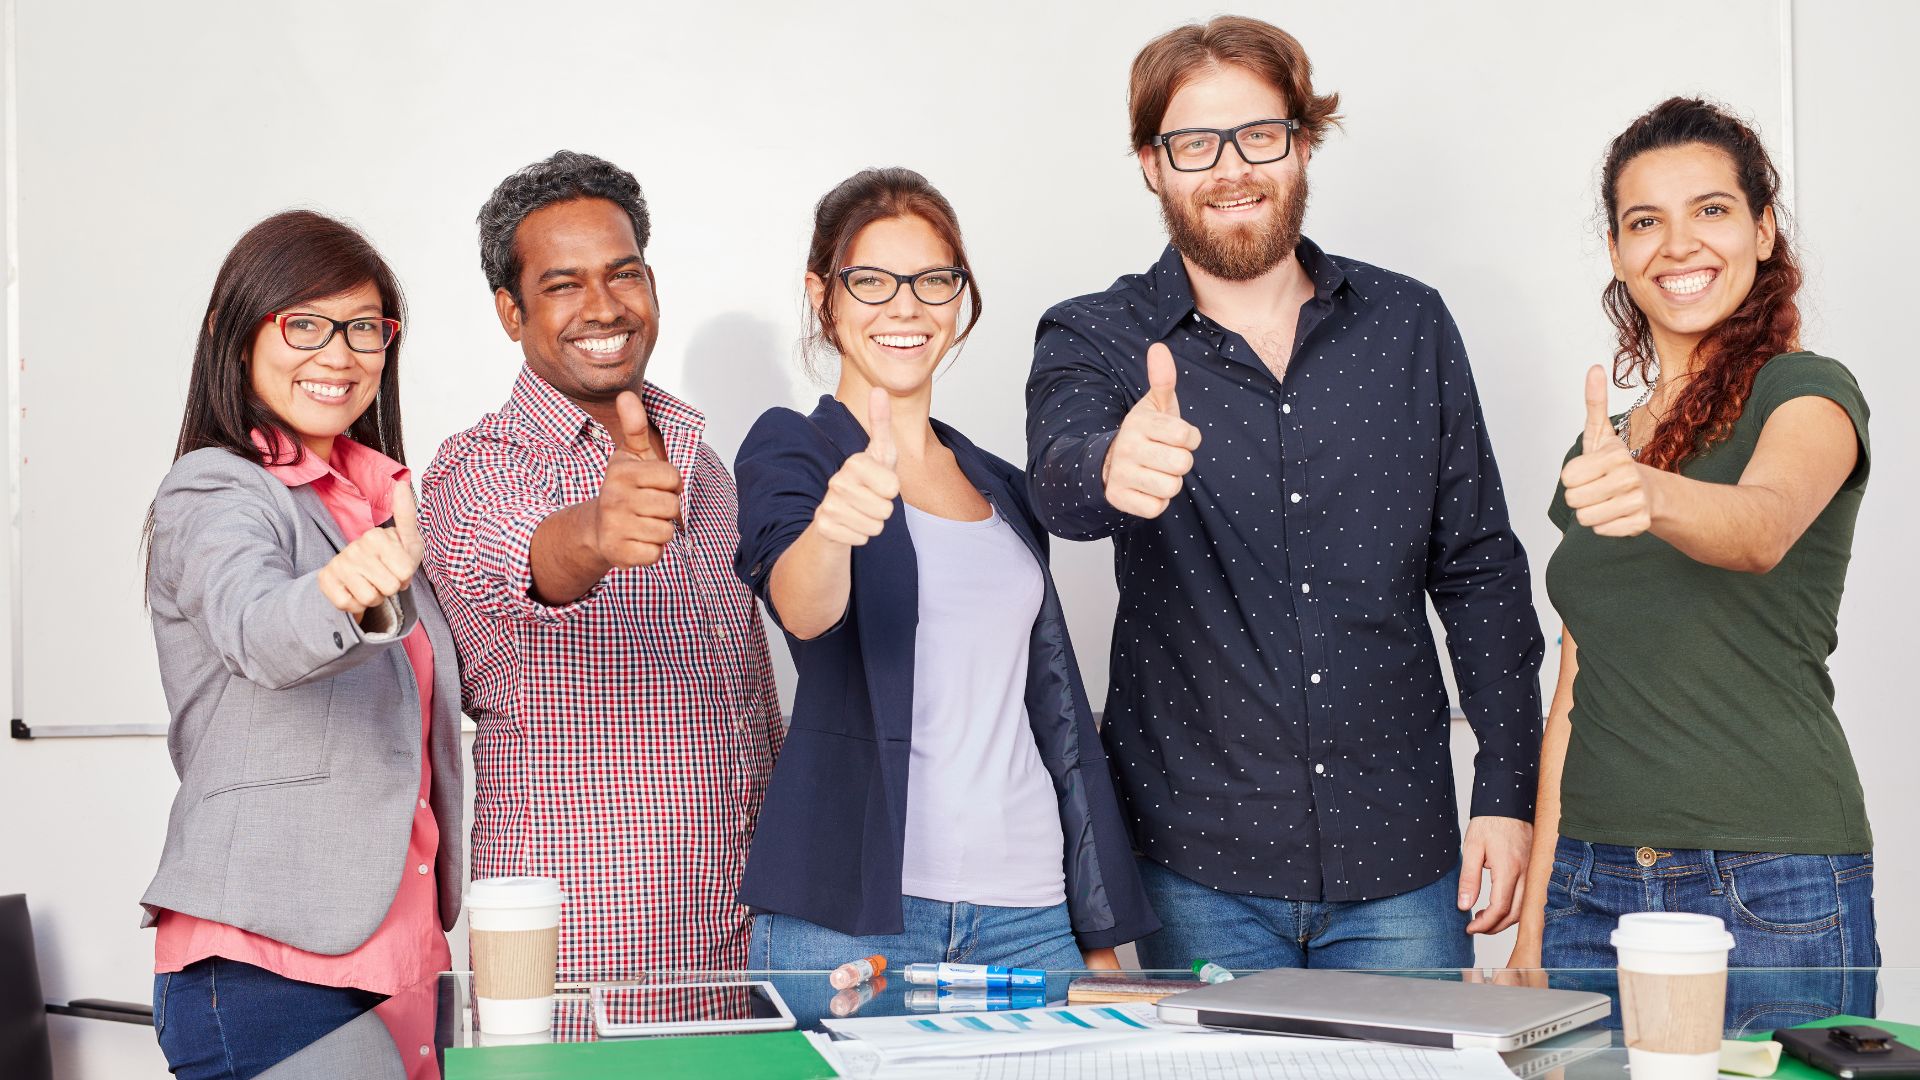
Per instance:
(780,1055)
(1792,1068)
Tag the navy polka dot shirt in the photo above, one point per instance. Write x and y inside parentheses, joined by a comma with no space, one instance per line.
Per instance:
(1276,716)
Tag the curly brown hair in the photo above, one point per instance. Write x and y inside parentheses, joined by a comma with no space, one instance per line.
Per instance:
(1767,322)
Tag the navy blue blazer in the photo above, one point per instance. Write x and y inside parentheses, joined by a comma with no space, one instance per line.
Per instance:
(827,848)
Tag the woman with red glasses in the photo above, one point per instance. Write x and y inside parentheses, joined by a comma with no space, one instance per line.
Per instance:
(312,860)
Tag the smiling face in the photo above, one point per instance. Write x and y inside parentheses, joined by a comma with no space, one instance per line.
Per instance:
(1686,243)
(898,344)
(587,318)
(1234,221)
(319,393)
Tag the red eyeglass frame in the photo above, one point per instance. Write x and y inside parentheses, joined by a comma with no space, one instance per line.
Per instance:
(279,319)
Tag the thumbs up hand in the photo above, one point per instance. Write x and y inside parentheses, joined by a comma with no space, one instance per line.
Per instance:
(379,563)
(406,523)
(1153,451)
(860,495)
(1606,488)
(639,500)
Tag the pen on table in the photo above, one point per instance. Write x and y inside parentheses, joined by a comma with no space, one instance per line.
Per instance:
(848,1001)
(988,975)
(976,999)
(854,972)
(1210,972)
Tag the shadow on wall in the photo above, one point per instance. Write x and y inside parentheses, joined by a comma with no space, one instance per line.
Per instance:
(737,367)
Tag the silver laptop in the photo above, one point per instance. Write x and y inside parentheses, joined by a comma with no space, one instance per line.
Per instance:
(1386,1008)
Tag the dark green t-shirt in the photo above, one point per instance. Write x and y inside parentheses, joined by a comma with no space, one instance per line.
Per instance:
(1703,710)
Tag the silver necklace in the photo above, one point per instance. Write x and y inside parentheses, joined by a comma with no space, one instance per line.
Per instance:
(1626,419)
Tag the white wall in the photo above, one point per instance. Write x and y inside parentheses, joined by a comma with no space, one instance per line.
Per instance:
(151,136)
(1852,84)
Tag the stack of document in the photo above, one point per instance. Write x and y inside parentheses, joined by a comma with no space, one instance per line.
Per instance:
(1111,1042)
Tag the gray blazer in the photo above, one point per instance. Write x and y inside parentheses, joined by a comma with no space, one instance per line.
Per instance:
(296,734)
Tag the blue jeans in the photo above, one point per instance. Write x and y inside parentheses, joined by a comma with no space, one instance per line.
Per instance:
(1784,911)
(935,931)
(1423,929)
(227,1020)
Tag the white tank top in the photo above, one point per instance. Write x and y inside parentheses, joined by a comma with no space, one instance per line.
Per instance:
(983,822)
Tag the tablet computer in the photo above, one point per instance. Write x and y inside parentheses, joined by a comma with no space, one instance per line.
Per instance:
(621,1009)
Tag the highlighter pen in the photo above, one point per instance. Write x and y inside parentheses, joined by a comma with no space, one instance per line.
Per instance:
(975,999)
(1210,972)
(980,975)
(854,972)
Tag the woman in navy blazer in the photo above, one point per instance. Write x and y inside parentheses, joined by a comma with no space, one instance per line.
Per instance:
(943,794)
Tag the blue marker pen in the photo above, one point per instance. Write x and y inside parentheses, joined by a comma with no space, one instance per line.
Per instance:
(980,975)
(975,999)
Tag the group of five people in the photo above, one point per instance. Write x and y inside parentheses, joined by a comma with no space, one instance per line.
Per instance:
(1286,449)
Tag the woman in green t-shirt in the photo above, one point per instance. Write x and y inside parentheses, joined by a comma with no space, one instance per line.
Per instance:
(1692,760)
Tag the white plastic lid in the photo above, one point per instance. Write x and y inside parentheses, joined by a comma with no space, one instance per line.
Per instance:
(501,893)
(1672,932)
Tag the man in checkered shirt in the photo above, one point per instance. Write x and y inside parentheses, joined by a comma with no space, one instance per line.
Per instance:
(582,541)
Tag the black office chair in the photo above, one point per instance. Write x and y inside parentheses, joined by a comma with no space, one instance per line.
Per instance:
(25,1052)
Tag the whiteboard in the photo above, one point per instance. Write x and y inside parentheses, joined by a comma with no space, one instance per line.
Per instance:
(145,149)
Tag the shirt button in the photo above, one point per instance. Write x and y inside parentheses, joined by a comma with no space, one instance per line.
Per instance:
(1286,408)
(426,1051)
(719,633)
(1319,770)
(423,802)
(1295,497)
(1305,588)
(1313,678)
(422,868)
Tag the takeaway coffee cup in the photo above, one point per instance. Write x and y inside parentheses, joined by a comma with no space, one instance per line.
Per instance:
(1673,993)
(513,924)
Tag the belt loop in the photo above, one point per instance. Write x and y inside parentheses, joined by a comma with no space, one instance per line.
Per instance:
(1583,873)
(1716,884)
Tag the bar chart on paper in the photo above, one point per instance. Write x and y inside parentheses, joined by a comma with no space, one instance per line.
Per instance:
(1360,1063)
(1120,1042)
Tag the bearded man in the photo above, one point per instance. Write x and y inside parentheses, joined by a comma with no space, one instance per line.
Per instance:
(1287,450)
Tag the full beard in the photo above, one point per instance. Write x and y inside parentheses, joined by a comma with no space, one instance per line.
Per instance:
(1238,252)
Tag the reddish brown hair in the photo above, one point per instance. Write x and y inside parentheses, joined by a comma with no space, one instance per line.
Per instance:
(860,200)
(1175,57)
(1767,322)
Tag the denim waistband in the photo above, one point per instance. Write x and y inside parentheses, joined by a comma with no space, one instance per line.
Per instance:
(1648,860)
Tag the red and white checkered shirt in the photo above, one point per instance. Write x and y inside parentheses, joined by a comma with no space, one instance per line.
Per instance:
(625,738)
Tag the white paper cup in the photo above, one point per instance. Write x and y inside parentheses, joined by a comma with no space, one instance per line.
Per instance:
(1673,993)
(513,924)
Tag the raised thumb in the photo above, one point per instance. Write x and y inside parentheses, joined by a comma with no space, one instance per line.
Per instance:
(1161,375)
(880,428)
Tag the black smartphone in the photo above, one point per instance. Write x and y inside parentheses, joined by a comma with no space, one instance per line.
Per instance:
(1851,1050)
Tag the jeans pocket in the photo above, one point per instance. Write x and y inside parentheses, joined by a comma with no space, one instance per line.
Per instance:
(160,984)
(760,943)
(1788,894)
(1561,900)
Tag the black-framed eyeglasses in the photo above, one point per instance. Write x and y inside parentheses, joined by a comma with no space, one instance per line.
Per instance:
(306,330)
(1261,142)
(872,285)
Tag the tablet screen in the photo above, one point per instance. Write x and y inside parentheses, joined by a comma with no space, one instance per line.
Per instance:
(627,1005)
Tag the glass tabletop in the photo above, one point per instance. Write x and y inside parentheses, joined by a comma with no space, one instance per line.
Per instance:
(412,1032)
(1759,1000)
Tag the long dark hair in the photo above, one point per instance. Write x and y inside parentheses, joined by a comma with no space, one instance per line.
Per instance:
(1767,322)
(289,259)
(860,200)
